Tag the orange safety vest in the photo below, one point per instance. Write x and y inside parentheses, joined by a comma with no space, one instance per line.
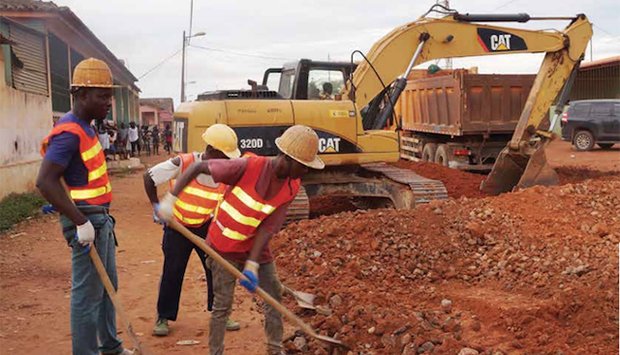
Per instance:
(98,191)
(243,209)
(196,202)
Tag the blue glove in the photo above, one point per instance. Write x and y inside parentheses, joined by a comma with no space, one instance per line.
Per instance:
(251,276)
(48,209)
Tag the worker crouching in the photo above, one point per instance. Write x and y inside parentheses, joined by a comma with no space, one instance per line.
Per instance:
(252,211)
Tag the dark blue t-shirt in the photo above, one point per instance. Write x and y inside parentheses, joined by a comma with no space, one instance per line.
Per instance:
(64,150)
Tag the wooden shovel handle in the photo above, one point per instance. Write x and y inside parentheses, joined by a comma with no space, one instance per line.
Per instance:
(235,272)
(107,283)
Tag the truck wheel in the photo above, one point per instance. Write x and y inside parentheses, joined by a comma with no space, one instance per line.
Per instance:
(442,155)
(605,145)
(428,152)
(583,140)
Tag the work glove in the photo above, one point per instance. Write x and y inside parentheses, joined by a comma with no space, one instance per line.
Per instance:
(165,207)
(156,218)
(85,233)
(250,271)
(48,209)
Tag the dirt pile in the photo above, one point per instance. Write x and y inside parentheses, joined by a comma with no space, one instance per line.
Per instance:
(534,270)
(458,183)
(575,174)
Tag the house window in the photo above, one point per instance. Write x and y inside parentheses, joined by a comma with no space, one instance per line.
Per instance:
(29,68)
(59,68)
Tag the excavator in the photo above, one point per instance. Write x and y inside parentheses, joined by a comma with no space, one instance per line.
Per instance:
(354,113)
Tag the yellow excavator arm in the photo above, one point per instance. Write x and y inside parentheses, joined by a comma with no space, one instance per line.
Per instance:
(458,35)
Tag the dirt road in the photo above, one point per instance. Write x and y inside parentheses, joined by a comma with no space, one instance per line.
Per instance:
(35,280)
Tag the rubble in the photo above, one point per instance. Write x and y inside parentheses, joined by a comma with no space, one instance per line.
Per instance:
(525,273)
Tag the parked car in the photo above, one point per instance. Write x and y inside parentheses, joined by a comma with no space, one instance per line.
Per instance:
(590,122)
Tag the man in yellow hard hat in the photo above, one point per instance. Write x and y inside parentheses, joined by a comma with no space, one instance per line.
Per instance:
(72,152)
(252,211)
(194,209)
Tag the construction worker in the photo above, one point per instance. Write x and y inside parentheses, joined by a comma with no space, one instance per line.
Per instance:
(327,91)
(194,209)
(72,152)
(252,211)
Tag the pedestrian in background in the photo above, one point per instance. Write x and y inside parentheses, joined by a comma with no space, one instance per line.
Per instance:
(155,140)
(121,142)
(134,138)
(168,138)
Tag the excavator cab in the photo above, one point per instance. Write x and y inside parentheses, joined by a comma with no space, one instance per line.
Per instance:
(308,79)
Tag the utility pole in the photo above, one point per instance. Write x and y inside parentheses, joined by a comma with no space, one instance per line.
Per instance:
(183,70)
(446,3)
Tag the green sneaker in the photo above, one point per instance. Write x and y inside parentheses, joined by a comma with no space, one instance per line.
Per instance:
(231,325)
(161,328)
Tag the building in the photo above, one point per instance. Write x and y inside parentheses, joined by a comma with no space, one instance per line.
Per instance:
(41,45)
(599,79)
(156,111)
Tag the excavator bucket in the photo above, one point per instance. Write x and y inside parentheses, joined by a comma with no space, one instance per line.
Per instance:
(516,170)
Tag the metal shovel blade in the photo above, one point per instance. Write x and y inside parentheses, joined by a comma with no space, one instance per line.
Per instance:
(304,299)
(512,169)
(332,341)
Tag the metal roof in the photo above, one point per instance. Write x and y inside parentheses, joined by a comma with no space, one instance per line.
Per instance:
(25,6)
(600,63)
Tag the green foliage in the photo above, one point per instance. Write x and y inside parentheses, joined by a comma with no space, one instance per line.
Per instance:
(17,207)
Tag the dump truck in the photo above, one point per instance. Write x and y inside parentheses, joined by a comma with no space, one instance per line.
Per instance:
(461,120)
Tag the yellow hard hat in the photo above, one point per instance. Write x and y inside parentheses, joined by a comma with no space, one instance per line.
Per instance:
(92,73)
(302,144)
(222,138)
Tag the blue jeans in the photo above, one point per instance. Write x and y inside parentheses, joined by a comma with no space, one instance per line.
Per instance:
(93,319)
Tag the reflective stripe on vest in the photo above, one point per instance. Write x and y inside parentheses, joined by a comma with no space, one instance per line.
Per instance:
(197,202)
(98,190)
(241,212)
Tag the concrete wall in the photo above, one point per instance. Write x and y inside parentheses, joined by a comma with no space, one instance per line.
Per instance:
(25,119)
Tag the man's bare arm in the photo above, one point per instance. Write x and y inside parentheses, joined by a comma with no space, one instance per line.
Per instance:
(190,174)
(48,182)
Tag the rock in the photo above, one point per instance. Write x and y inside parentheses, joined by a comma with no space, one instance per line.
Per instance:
(475,229)
(335,301)
(409,349)
(371,330)
(317,254)
(406,339)
(301,344)
(600,229)
(426,347)
(446,305)
(475,326)
(389,341)
(468,351)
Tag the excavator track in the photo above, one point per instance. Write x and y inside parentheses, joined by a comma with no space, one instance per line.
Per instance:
(299,208)
(424,189)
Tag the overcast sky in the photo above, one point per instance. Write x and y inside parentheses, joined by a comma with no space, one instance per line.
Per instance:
(244,37)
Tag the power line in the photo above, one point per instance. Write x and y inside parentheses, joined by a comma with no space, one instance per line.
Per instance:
(603,30)
(504,5)
(238,53)
(159,64)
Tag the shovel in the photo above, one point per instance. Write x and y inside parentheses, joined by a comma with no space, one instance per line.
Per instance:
(264,295)
(107,283)
(304,299)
